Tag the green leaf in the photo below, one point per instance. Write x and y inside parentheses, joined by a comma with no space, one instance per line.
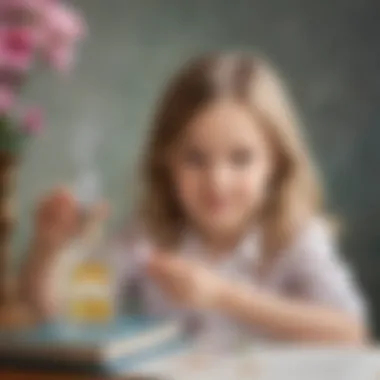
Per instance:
(11,138)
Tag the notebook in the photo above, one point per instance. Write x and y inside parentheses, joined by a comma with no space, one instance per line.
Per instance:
(115,348)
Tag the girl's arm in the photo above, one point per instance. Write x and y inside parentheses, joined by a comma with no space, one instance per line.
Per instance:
(325,305)
(289,319)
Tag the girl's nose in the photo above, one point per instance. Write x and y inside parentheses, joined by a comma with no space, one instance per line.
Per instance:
(218,177)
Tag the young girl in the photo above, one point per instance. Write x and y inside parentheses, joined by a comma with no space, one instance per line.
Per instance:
(231,217)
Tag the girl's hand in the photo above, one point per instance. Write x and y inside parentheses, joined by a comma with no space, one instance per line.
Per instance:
(58,218)
(188,283)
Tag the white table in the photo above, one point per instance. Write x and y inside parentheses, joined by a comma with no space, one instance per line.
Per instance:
(273,363)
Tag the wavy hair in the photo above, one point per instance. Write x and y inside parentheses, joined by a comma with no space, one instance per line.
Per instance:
(295,194)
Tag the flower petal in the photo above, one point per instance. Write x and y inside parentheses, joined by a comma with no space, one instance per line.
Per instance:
(33,121)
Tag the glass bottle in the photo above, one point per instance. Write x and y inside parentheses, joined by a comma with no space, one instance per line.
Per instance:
(90,289)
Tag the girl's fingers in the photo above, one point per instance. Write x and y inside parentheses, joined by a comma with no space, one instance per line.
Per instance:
(179,279)
(57,205)
(170,286)
(157,272)
(160,265)
(56,215)
(172,274)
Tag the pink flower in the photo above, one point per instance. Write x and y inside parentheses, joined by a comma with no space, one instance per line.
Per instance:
(17,47)
(14,10)
(6,99)
(33,121)
(61,58)
(63,23)
(60,29)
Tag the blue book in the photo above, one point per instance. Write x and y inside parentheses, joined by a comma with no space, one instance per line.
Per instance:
(114,348)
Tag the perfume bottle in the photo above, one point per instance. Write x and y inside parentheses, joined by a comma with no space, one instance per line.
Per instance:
(89,287)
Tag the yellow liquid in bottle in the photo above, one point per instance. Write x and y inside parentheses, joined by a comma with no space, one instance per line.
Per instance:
(90,299)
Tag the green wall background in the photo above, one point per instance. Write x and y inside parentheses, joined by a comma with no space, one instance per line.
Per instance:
(328,50)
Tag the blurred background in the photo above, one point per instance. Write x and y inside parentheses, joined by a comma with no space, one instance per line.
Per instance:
(328,50)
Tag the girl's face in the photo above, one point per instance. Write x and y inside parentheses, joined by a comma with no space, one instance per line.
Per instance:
(222,168)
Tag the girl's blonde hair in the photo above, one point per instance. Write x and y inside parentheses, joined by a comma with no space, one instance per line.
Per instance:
(295,194)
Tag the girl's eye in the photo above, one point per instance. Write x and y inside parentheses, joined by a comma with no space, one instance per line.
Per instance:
(242,157)
(194,158)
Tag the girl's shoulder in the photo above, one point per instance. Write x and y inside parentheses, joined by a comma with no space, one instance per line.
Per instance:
(316,241)
(317,231)
(316,270)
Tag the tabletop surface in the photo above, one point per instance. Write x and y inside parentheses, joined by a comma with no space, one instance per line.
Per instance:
(261,364)
(21,375)
(274,363)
